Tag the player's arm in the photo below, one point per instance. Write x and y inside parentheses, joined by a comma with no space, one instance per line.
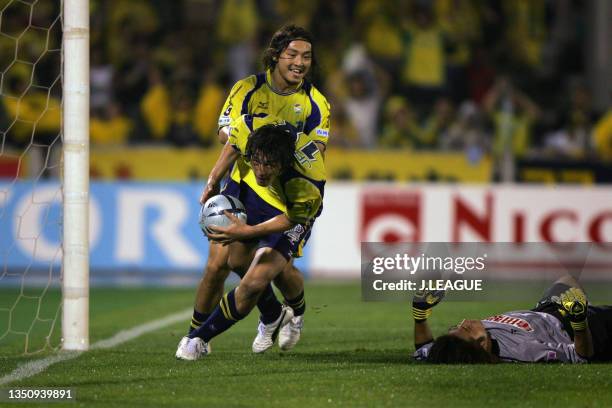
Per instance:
(223,134)
(228,156)
(305,199)
(583,341)
(231,108)
(575,307)
(237,135)
(239,230)
(422,333)
(322,147)
(422,305)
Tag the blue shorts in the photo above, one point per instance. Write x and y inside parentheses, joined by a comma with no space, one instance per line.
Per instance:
(289,243)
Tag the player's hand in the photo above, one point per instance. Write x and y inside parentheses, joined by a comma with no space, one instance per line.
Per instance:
(237,231)
(575,306)
(423,301)
(210,190)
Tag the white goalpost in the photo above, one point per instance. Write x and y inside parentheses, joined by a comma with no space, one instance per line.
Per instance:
(75,124)
(44,176)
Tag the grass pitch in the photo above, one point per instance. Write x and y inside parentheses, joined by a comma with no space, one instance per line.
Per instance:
(352,354)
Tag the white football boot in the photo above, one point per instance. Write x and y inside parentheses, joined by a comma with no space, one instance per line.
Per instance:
(267,333)
(191,349)
(290,333)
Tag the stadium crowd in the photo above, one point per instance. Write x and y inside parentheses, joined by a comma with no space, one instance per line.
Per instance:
(450,75)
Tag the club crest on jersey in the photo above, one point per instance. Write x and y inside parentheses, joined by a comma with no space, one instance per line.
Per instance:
(512,321)
(297,108)
(228,110)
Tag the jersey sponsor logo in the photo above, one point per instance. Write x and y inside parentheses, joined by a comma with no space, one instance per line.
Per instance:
(323,133)
(262,105)
(228,110)
(295,234)
(390,216)
(224,121)
(511,321)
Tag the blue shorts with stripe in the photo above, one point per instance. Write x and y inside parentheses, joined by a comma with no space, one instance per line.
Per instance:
(289,243)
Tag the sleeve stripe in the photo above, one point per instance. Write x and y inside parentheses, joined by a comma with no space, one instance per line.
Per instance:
(314,119)
(261,79)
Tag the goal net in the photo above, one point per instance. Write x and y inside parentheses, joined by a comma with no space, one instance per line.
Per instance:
(43,175)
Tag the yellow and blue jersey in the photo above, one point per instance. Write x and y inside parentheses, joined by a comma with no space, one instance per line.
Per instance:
(298,192)
(305,108)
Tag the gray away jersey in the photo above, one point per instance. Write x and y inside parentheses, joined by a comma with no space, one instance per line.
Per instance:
(526,336)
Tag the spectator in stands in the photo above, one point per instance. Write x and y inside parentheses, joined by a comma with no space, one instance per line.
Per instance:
(33,118)
(237,32)
(602,134)
(525,31)
(378,23)
(209,103)
(573,137)
(400,125)
(425,46)
(365,89)
(35,113)
(481,75)
(110,127)
(129,22)
(461,24)
(467,133)
(437,124)
(513,114)
(345,134)
(182,130)
(101,79)
(363,106)
(132,77)
(155,107)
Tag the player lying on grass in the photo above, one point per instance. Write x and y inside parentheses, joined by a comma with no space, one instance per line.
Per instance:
(289,174)
(562,327)
(283,90)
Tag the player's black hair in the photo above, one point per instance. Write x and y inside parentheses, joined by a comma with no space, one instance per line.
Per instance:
(281,39)
(449,349)
(276,143)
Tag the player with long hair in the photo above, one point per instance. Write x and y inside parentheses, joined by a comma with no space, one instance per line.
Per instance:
(284,91)
(281,186)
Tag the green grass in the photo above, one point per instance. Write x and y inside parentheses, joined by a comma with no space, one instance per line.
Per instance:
(352,354)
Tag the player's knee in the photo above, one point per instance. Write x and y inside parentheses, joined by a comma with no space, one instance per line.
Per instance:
(217,264)
(216,270)
(238,264)
(290,275)
(215,277)
(251,288)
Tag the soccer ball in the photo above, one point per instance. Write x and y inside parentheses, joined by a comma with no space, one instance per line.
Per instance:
(212,212)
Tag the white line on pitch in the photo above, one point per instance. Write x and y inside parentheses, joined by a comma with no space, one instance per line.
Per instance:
(34,367)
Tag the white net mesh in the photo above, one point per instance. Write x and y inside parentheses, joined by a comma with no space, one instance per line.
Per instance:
(30,190)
